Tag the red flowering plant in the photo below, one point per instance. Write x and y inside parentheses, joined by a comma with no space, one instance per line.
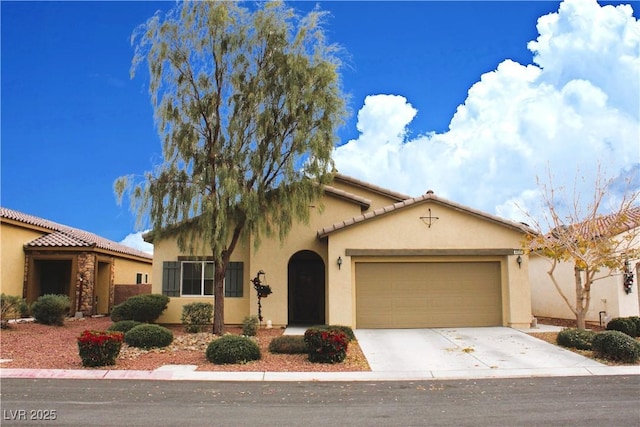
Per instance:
(99,348)
(326,346)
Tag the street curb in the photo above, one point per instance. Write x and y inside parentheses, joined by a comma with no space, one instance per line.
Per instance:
(179,373)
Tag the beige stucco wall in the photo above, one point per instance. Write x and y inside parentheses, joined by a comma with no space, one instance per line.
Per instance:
(12,258)
(272,257)
(235,308)
(607,293)
(126,270)
(405,230)
(401,230)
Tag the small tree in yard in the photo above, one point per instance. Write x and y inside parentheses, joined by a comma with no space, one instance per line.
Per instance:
(247,104)
(597,245)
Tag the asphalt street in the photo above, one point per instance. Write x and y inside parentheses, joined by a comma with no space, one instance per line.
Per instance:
(556,401)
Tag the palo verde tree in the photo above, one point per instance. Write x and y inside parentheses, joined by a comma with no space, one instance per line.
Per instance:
(597,244)
(247,103)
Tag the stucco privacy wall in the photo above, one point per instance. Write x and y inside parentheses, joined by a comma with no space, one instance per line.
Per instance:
(607,294)
(405,231)
(126,271)
(12,257)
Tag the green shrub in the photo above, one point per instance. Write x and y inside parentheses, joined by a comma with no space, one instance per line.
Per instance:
(99,348)
(288,344)
(197,316)
(326,345)
(232,349)
(142,308)
(250,326)
(10,308)
(51,309)
(575,338)
(624,325)
(124,326)
(616,345)
(345,329)
(636,320)
(148,336)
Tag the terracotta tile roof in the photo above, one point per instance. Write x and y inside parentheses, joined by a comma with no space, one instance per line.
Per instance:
(58,239)
(630,221)
(417,200)
(376,189)
(63,236)
(604,225)
(363,202)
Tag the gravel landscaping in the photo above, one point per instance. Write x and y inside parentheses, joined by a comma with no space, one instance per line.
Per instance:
(32,345)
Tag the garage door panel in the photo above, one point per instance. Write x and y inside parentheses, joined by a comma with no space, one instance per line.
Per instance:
(410,295)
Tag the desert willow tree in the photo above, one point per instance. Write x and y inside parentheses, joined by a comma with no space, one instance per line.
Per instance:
(598,245)
(247,104)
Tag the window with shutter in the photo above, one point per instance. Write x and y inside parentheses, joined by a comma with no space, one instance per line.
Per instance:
(233,283)
(171,278)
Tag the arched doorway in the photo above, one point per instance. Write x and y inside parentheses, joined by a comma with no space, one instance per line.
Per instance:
(306,286)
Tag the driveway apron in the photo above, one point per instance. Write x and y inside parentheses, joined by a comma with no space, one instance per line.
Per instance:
(456,349)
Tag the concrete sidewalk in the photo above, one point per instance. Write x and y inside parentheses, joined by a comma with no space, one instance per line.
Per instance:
(188,373)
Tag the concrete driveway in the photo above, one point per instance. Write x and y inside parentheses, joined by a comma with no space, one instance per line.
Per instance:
(466,352)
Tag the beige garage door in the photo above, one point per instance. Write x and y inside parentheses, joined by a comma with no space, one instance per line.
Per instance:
(428,295)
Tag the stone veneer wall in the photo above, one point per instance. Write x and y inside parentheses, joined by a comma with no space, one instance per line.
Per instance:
(85,283)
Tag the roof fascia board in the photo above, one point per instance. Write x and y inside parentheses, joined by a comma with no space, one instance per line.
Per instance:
(520,228)
(26,225)
(434,252)
(371,187)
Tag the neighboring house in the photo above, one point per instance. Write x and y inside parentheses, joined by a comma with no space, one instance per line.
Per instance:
(42,257)
(372,258)
(609,299)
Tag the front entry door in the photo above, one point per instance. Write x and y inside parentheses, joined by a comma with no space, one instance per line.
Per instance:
(306,286)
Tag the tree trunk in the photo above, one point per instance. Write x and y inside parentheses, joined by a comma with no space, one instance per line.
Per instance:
(581,310)
(218,295)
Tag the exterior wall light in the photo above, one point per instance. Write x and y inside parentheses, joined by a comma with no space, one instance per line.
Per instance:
(519,261)
(339,263)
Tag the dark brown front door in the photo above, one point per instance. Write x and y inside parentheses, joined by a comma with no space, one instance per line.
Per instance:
(306,286)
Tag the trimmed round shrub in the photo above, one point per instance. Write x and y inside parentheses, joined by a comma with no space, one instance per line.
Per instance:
(142,308)
(250,325)
(124,326)
(636,320)
(148,336)
(98,348)
(616,345)
(197,316)
(623,324)
(344,329)
(575,338)
(326,345)
(232,349)
(51,309)
(288,344)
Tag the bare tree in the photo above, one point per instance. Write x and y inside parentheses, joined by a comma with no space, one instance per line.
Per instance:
(597,244)
(247,103)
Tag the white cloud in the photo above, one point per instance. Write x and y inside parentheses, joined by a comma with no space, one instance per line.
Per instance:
(134,240)
(577,107)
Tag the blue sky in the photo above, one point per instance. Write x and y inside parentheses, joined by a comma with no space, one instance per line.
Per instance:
(446,96)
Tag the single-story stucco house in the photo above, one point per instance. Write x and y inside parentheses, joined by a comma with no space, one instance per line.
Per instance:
(373,258)
(609,298)
(43,257)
